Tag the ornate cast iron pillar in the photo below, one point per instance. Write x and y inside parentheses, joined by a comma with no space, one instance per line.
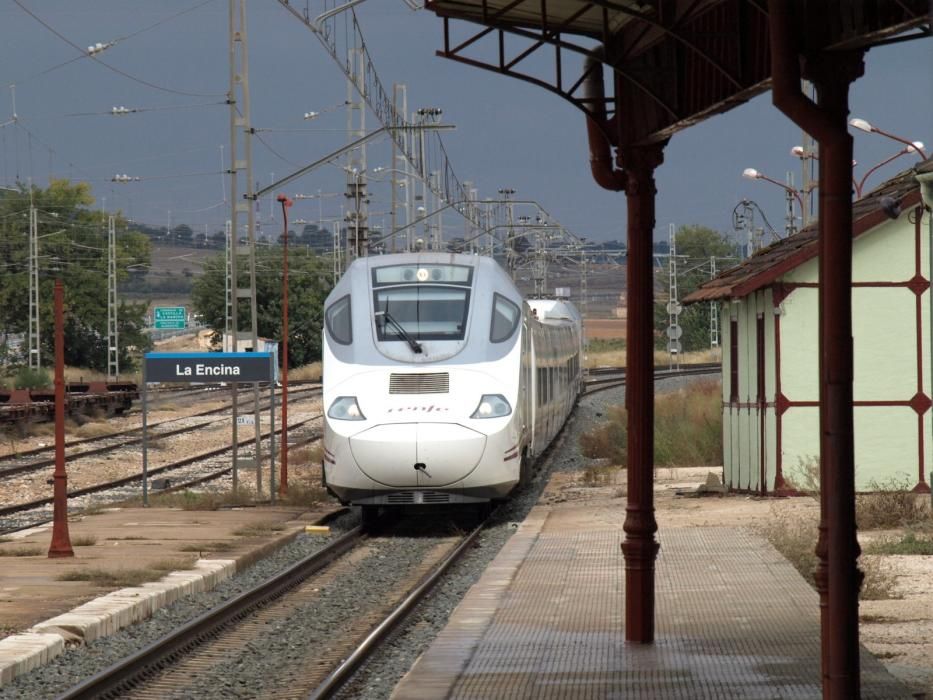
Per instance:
(832,74)
(838,578)
(640,547)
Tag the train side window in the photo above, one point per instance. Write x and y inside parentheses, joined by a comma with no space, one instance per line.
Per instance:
(505,318)
(338,321)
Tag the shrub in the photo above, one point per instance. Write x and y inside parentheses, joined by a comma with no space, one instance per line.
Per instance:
(908,544)
(28,378)
(687,431)
(889,504)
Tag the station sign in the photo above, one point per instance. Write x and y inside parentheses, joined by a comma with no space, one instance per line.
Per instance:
(169,317)
(194,367)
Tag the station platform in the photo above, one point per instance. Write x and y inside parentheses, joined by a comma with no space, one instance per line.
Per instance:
(546,620)
(128,562)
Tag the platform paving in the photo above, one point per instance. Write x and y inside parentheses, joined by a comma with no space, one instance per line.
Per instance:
(546,620)
(166,552)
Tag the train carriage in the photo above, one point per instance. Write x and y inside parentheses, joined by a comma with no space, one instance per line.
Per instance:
(441,383)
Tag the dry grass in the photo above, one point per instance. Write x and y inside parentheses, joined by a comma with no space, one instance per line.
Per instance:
(795,538)
(83,541)
(201,500)
(177,564)
(119,578)
(310,372)
(259,529)
(599,476)
(302,493)
(201,547)
(95,427)
(687,432)
(80,374)
(306,455)
(616,358)
(908,544)
(22,552)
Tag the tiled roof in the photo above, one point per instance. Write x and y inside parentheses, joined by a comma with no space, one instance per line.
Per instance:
(768,264)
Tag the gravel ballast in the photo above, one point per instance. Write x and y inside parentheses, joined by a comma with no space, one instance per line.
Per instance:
(284,646)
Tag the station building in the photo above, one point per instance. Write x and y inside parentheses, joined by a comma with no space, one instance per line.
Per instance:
(769,314)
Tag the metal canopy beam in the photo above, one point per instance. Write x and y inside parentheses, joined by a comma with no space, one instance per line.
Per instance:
(676,62)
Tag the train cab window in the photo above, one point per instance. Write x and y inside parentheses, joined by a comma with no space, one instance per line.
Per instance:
(505,318)
(337,318)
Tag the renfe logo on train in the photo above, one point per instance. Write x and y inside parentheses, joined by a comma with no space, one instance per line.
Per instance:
(209,366)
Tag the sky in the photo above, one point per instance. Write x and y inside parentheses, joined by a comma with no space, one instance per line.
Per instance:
(170,60)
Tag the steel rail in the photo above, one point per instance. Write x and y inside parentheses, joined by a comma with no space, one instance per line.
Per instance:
(151,658)
(19,507)
(345,670)
(39,464)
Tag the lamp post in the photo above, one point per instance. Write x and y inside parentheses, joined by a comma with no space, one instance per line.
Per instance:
(283,466)
(858,185)
(863,125)
(792,193)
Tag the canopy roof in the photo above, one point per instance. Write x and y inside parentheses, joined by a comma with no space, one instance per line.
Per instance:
(675,62)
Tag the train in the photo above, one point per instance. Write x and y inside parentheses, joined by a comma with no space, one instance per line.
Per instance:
(442,384)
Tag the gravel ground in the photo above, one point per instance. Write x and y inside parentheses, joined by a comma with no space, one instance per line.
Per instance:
(378,677)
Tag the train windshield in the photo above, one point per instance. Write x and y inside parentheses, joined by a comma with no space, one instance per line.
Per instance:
(422,312)
(421,302)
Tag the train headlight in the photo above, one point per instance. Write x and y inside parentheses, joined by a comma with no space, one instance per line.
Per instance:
(492,406)
(345,408)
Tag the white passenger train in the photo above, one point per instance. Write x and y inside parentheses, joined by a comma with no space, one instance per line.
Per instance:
(441,383)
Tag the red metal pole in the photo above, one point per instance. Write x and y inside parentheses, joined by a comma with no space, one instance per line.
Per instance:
(837,446)
(640,547)
(838,578)
(283,468)
(61,541)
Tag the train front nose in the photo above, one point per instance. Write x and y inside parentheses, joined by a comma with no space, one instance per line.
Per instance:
(426,455)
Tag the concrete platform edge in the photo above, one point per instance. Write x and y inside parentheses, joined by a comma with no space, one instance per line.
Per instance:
(23,652)
(470,618)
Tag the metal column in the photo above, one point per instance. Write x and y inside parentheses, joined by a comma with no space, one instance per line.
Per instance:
(640,547)
(838,578)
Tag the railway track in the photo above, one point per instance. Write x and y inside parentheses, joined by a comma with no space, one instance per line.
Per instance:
(190,471)
(174,665)
(611,377)
(39,458)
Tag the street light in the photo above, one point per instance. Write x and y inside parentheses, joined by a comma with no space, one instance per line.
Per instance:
(863,125)
(124,178)
(790,227)
(914,147)
(312,115)
(99,47)
(121,110)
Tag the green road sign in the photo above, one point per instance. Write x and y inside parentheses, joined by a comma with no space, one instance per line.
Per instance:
(169,317)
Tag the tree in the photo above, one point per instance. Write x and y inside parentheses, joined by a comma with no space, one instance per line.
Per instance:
(73,248)
(308,285)
(697,244)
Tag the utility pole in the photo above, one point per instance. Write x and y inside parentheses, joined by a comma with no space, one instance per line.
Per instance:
(240,128)
(228,344)
(674,331)
(790,226)
(356,159)
(507,193)
(713,309)
(398,92)
(807,162)
(35,362)
(113,353)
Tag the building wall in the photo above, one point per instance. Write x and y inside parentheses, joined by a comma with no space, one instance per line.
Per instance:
(891,331)
(749,437)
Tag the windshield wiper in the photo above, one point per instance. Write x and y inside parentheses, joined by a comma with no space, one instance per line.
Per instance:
(414,344)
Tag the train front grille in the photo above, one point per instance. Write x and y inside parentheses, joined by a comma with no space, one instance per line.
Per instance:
(399,498)
(430,383)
